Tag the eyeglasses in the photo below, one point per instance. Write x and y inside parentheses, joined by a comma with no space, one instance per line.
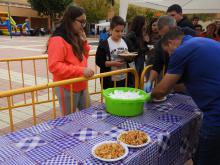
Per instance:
(83,22)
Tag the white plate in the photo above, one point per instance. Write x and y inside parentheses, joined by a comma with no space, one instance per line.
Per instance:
(134,146)
(127,54)
(161,100)
(110,160)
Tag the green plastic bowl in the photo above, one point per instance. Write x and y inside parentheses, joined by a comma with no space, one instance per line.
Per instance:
(125,107)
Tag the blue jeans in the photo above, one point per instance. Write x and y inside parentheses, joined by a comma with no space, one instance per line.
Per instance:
(208,151)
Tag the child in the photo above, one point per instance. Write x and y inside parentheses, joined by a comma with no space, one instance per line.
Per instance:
(107,57)
(67,58)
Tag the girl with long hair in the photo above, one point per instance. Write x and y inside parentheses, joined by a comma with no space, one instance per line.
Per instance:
(68,52)
(137,40)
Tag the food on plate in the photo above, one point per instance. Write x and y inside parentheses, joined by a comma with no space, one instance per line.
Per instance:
(126,53)
(119,94)
(134,137)
(110,151)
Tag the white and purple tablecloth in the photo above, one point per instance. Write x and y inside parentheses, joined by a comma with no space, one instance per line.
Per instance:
(172,126)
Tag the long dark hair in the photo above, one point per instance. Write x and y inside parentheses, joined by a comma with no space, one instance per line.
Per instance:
(65,30)
(136,26)
(149,28)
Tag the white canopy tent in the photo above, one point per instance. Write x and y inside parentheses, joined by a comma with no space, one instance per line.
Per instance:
(102,26)
(188,6)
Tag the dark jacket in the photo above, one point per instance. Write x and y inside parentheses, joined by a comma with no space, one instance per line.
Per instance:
(162,58)
(103,55)
(185,22)
(154,38)
(133,43)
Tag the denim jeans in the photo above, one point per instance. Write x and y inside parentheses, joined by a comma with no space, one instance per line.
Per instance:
(208,151)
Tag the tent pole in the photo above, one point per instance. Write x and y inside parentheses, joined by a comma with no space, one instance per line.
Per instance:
(9,15)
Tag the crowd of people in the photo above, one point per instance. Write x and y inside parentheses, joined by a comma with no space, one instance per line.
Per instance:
(187,54)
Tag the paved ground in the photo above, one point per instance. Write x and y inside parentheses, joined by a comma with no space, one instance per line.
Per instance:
(18,47)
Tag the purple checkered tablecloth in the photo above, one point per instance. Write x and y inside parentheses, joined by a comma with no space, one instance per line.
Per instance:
(172,125)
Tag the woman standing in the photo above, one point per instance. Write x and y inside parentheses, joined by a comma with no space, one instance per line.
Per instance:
(67,56)
(154,37)
(137,39)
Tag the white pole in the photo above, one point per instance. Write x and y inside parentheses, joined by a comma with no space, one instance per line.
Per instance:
(123,8)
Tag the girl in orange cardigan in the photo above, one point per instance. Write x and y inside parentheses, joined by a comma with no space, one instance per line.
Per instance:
(67,57)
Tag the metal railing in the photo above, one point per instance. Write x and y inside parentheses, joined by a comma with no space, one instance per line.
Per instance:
(38,91)
(31,71)
(143,75)
(33,90)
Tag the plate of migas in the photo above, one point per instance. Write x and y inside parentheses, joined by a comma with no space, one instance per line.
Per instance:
(110,151)
(134,138)
(128,54)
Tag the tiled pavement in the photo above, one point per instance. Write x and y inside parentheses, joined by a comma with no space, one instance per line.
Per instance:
(26,47)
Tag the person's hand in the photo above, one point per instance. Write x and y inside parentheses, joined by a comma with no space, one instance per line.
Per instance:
(129,58)
(88,72)
(146,37)
(82,34)
(117,63)
(148,86)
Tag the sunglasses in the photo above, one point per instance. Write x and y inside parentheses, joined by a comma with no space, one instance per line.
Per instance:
(83,22)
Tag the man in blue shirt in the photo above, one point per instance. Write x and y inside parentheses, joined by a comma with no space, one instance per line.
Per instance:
(197,61)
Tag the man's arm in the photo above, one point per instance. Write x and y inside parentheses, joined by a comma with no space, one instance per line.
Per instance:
(165,85)
(153,75)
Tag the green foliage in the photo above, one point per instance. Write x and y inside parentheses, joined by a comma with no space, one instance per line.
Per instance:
(135,11)
(52,8)
(98,9)
(203,17)
(116,7)
(111,2)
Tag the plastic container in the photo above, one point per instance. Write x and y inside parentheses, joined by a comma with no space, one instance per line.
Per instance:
(125,107)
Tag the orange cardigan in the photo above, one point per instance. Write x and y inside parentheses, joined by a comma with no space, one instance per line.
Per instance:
(63,64)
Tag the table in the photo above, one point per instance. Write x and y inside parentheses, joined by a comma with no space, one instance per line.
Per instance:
(172,125)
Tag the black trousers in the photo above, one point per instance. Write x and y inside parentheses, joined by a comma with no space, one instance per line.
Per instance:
(110,84)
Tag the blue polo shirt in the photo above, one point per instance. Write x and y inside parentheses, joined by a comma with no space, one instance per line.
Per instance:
(198,61)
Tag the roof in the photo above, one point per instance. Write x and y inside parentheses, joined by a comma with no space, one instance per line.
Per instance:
(15,2)
(188,6)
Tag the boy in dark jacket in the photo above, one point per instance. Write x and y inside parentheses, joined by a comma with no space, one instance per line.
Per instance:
(107,57)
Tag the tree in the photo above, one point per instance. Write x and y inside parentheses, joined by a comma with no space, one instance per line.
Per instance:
(97,9)
(148,13)
(134,11)
(52,8)
(112,2)
(203,17)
